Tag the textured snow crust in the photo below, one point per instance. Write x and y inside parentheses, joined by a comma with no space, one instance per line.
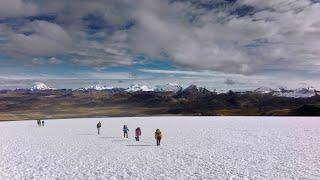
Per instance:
(192,148)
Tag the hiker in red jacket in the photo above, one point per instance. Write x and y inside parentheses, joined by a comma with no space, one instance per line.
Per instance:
(138,133)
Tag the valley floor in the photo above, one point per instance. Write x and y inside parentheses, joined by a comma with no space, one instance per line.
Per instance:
(192,148)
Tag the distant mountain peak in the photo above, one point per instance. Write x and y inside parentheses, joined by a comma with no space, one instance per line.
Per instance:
(264,90)
(100,87)
(173,87)
(284,92)
(136,87)
(191,88)
(193,91)
(40,86)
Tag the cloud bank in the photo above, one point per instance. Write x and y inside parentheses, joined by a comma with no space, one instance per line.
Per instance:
(238,36)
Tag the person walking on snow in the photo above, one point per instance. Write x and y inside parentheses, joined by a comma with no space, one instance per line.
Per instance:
(98,127)
(42,123)
(158,136)
(125,131)
(138,134)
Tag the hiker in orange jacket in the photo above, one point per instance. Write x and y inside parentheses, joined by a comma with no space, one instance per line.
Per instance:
(158,136)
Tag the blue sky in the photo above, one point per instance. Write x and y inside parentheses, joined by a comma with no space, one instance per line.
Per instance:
(247,42)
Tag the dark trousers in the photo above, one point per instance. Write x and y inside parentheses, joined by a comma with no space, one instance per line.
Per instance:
(158,141)
(125,134)
(98,130)
(137,138)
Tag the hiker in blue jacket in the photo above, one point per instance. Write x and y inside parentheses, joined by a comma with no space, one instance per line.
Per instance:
(125,131)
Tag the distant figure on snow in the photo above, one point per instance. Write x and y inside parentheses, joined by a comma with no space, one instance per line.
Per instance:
(125,131)
(98,127)
(42,123)
(138,133)
(158,136)
(39,122)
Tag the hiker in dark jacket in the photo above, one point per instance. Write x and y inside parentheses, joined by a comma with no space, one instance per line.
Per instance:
(42,123)
(39,122)
(98,127)
(138,134)
(125,131)
(158,136)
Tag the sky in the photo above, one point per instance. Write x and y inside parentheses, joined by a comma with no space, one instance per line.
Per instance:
(220,44)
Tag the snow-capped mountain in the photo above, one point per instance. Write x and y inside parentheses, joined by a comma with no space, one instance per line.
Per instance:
(136,87)
(176,88)
(282,89)
(40,86)
(100,87)
(173,87)
(284,92)
(298,93)
(263,90)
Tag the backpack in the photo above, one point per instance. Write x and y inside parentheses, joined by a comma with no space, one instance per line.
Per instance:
(125,128)
(158,133)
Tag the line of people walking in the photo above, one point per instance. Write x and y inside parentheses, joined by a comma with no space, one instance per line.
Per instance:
(157,134)
(40,123)
(125,129)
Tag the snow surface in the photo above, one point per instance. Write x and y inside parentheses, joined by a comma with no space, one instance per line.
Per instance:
(192,148)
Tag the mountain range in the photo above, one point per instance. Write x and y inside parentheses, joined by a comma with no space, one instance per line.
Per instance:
(173,87)
(42,101)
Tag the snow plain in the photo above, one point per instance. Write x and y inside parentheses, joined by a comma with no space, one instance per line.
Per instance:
(192,148)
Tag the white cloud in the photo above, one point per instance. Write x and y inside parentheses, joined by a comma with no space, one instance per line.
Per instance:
(45,39)
(54,60)
(281,34)
(178,72)
(105,75)
(16,8)
(41,61)
(220,41)
(101,54)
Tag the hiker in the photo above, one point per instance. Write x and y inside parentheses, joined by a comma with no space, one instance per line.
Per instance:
(98,127)
(125,131)
(158,136)
(42,123)
(138,134)
(39,122)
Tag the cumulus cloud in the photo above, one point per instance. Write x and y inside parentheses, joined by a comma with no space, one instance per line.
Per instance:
(111,52)
(278,34)
(44,61)
(36,39)
(16,8)
(244,36)
(113,75)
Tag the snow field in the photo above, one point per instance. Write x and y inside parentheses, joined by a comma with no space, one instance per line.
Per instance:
(192,148)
